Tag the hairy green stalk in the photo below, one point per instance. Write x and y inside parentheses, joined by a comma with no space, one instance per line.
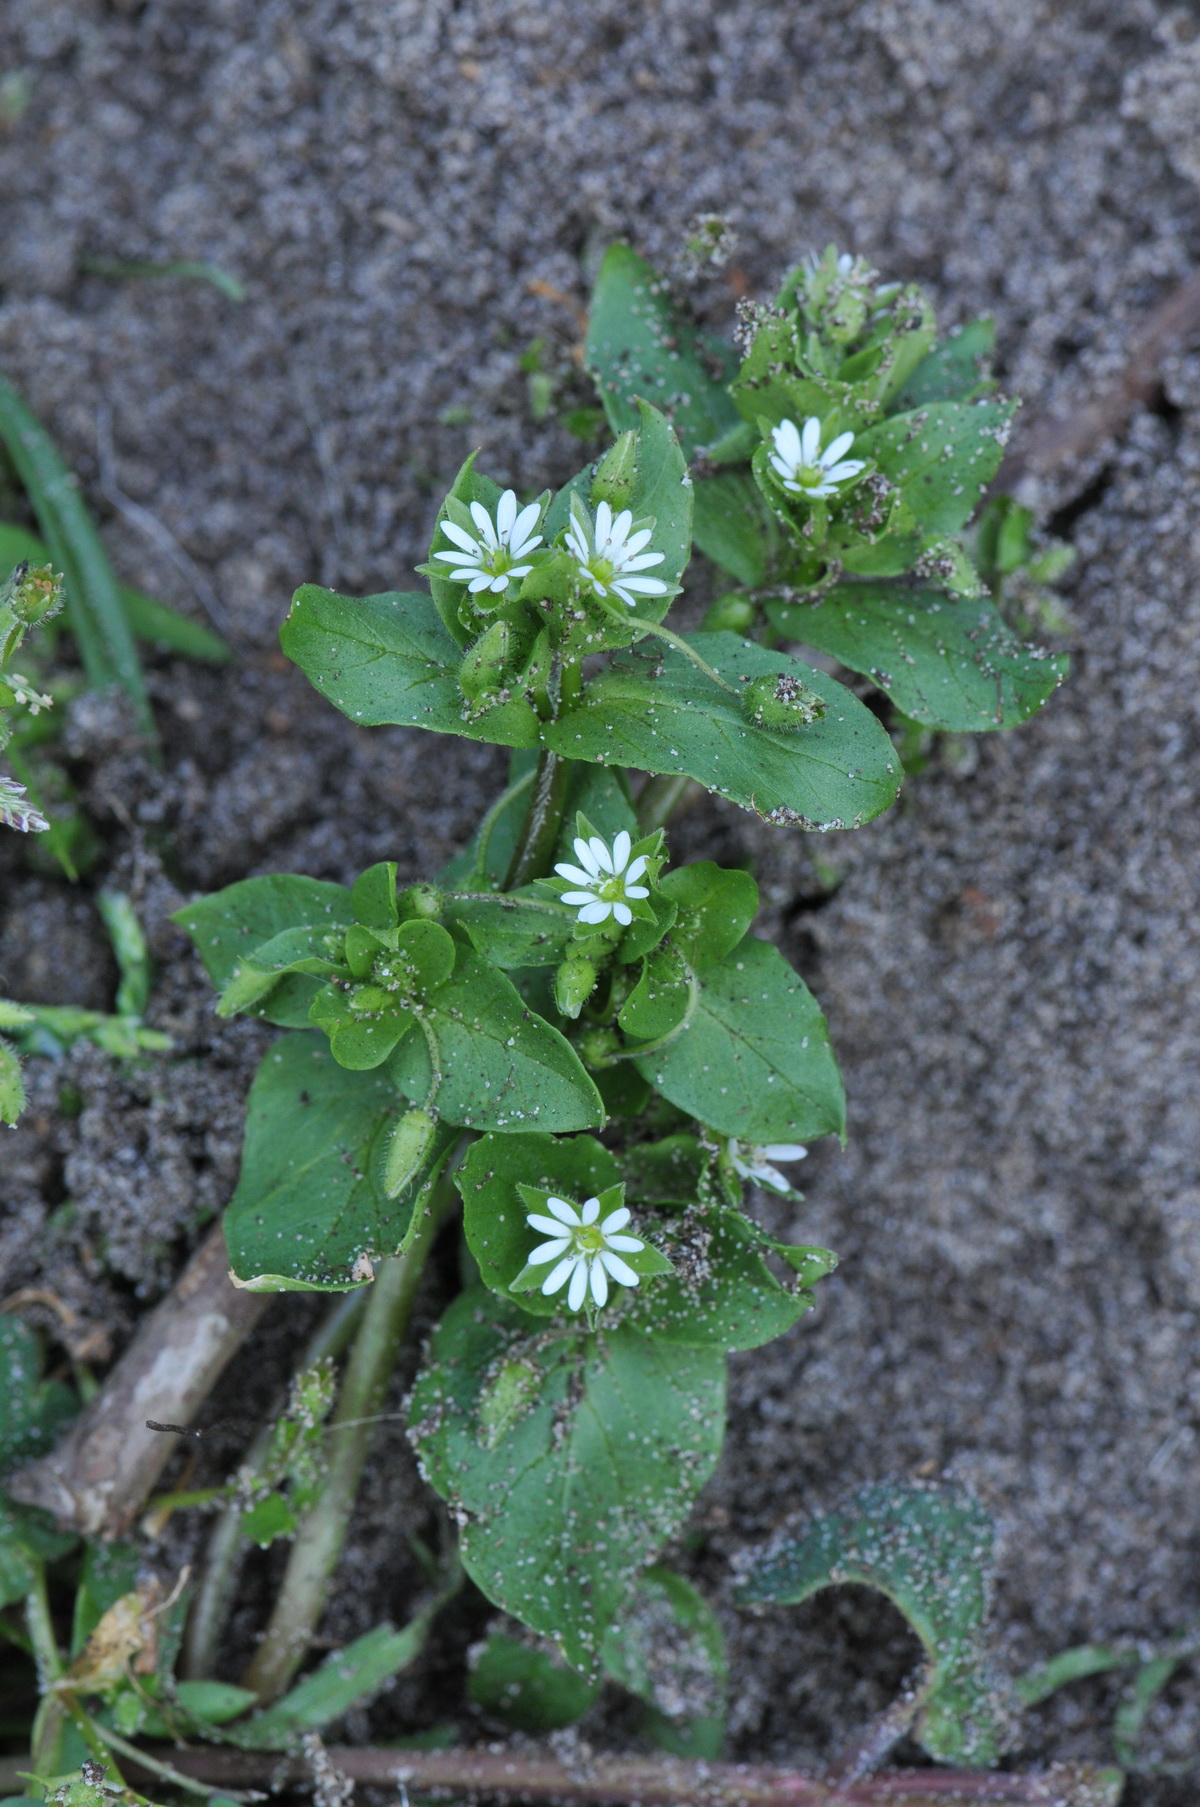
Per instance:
(319,1540)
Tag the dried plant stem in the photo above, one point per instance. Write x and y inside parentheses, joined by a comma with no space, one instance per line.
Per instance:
(99,1477)
(662,1781)
(320,1537)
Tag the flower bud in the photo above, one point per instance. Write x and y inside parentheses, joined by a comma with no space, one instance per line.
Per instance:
(781,702)
(369,1000)
(420,903)
(596,1045)
(732,612)
(573,984)
(407,1150)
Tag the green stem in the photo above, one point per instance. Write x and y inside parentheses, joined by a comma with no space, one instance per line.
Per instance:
(660,797)
(479,874)
(320,1537)
(41,1631)
(226,1547)
(681,646)
(164,1771)
(534,851)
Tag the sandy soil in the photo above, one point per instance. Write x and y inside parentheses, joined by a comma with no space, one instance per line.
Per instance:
(1008,960)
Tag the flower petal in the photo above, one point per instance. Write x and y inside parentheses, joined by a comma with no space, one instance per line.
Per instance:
(621,848)
(840,446)
(483,521)
(585,856)
(599,1281)
(603,528)
(785,1151)
(589,1210)
(620,1270)
(557,1275)
(579,1284)
(787,440)
(547,1251)
(601,855)
(460,536)
(575,898)
(506,514)
(548,1226)
(565,1212)
(623,914)
(644,586)
(636,891)
(810,441)
(575,875)
(636,868)
(630,1244)
(523,526)
(596,912)
(616,1220)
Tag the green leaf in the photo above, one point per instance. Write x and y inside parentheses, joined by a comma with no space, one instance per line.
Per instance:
(668,1650)
(346,1678)
(931,1551)
(662,490)
(953,371)
(615,1430)
(659,1001)
(754,1061)
(310,1199)
(733,525)
(27,1538)
(652,708)
(33,1412)
(390,658)
(502,1066)
(494,1212)
(268,1519)
(110,1571)
(514,928)
(721,1295)
(637,346)
(945,661)
(12,1086)
(527,1687)
(941,457)
(201,1703)
(716,906)
(229,927)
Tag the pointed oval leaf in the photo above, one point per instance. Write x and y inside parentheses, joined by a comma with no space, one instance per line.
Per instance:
(947,661)
(653,709)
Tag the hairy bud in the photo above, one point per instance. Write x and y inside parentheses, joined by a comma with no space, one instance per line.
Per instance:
(407,1150)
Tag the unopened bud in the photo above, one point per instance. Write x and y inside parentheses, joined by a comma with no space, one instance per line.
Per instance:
(369,1000)
(596,1046)
(573,985)
(419,903)
(782,703)
(407,1150)
(731,613)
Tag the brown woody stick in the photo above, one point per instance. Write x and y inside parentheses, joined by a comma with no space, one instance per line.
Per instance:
(656,1781)
(100,1476)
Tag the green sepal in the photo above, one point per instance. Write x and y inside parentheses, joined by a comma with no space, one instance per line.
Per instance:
(448,597)
(12,1086)
(574,982)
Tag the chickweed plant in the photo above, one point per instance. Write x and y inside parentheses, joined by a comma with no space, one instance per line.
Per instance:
(570,1036)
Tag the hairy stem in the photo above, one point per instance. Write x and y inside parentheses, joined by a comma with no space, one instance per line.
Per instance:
(535,850)
(226,1548)
(320,1537)
(526,1775)
(489,822)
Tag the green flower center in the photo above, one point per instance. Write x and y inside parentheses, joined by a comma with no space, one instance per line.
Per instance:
(810,475)
(589,1239)
(601,571)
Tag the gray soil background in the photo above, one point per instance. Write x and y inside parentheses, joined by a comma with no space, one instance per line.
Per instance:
(1010,962)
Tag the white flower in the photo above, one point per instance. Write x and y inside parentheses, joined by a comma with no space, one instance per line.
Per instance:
(493,560)
(753,1163)
(803,467)
(607,876)
(23,692)
(583,1249)
(608,553)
